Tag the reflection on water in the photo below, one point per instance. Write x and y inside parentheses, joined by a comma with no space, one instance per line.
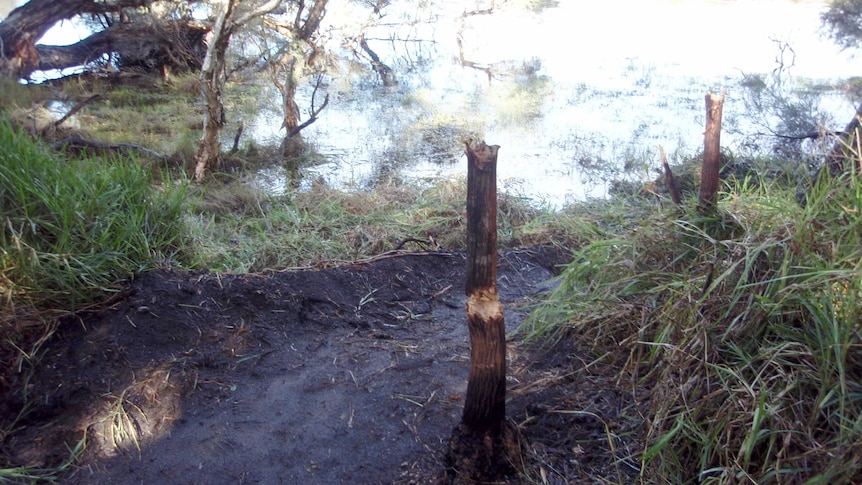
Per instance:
(586,85)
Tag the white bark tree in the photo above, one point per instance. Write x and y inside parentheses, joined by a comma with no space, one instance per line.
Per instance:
(230,19)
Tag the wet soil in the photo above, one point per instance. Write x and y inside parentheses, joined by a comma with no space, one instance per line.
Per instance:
(354,374)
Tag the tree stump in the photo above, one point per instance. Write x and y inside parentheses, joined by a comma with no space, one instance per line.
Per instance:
(711,151)
(484,446)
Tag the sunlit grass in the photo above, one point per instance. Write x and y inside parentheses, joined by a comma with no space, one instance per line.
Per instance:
(16,95)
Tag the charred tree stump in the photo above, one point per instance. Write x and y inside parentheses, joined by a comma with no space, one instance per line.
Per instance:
(484,446)
(711,151)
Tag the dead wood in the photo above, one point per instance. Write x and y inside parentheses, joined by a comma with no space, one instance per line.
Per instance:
(483,447)
(668,177)
(78,145)
(75,109)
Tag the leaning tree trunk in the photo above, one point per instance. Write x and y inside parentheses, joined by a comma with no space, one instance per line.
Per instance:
(483,447)
(711,151)
(24,26)
(212,80)
(383,71)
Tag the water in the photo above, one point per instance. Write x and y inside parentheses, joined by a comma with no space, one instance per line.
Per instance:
(581,93)
(585,85)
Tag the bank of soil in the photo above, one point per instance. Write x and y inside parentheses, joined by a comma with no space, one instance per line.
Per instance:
(353,374)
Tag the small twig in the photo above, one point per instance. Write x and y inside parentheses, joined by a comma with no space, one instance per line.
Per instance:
(421,242)
(813,135)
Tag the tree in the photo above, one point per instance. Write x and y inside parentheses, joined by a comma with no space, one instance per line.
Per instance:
(213,73)
(843,21)
(297,54)
(126,31)
(484,446)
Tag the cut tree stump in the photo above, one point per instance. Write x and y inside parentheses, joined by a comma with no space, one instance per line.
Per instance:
(484,446)
(711,151)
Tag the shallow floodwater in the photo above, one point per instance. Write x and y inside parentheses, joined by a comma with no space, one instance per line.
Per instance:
(585,85)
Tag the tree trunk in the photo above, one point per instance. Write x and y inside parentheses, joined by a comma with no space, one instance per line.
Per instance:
(845,147)
(211,80)
(711,151)
(292,146)
(288,98)
(152,46)
(24,26)
(483,447)
(485,407)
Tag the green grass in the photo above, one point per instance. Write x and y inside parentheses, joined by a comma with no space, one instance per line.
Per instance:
(739,331)
(73,228)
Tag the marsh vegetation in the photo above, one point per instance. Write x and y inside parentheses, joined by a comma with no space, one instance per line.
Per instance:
(665,343)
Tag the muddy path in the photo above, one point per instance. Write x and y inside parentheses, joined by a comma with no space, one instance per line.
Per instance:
(353,374)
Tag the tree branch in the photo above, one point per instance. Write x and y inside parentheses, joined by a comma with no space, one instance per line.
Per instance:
(71,113)
(314,113)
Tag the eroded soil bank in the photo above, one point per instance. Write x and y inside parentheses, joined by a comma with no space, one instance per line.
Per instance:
(354,374)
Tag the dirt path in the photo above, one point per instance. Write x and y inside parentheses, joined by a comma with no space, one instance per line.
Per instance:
(347,375)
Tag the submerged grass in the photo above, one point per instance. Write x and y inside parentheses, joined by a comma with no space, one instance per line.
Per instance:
(739,330)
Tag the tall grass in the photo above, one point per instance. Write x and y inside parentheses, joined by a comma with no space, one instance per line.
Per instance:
(71,230)
(741,331)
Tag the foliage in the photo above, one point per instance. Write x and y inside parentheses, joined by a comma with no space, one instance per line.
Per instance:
(739,332)
(843,22)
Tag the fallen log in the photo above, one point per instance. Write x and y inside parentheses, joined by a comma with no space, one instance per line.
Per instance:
(78,145)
